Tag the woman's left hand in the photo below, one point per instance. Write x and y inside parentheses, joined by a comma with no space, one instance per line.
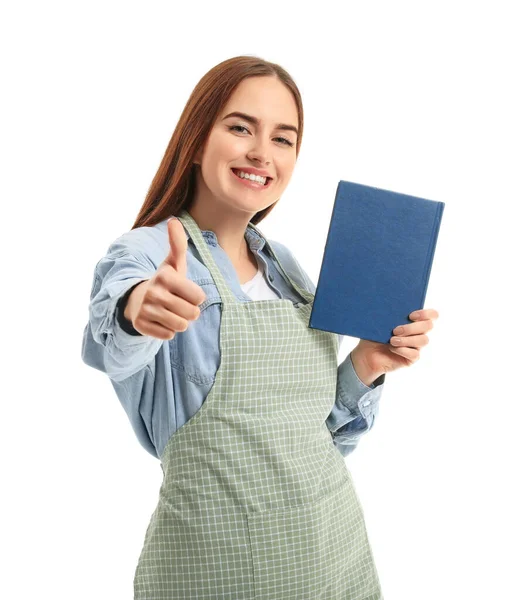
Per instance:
(404,347)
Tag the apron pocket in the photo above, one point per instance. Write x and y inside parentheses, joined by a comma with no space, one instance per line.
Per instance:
(316,550)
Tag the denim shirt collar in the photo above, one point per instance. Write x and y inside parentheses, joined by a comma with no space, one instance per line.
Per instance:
(255,241)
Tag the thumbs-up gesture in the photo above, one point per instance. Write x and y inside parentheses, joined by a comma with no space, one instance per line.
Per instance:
(169,299)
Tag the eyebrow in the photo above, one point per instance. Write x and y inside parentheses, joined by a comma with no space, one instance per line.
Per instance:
(255,121)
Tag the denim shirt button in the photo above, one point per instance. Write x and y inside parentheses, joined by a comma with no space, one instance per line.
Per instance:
(271,278)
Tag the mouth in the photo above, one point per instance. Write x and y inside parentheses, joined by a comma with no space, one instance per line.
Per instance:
(267,183)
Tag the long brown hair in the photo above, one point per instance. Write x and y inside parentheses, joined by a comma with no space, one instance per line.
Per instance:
(173,186)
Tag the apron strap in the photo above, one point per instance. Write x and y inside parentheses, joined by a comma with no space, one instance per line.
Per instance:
(223,288)
(302,292)
(200,244)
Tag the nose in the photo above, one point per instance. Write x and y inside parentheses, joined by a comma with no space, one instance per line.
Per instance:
(259,152)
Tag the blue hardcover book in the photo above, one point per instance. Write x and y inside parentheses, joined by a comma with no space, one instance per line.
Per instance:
(376,263)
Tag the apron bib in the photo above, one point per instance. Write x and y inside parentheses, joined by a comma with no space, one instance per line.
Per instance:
(256,502)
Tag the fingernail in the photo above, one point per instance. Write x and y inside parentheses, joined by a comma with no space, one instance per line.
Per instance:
(414,315)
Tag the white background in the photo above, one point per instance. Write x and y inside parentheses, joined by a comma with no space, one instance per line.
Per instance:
(415,97)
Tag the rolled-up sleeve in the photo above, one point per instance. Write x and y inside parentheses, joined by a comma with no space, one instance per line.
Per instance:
(356,407)
(106,346)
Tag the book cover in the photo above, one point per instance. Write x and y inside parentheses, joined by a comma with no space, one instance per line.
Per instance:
(377,261)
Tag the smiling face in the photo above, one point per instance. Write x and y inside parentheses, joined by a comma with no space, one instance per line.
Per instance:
(236,142)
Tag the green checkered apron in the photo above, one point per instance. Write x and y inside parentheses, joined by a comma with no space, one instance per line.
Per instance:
(256,501)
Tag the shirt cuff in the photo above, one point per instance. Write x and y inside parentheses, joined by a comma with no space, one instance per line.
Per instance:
(124,323)
(353,393)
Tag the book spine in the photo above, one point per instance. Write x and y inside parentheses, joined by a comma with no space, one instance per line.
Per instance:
(431,250)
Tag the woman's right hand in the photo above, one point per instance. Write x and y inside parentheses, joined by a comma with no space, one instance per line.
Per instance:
(169,300)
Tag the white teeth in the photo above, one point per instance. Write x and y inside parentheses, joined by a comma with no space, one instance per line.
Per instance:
(252,177)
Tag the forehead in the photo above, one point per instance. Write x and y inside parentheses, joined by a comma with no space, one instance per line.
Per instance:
(266,98)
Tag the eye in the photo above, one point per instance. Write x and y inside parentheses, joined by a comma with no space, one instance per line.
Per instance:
(288,142)
(234,127)
(284,140)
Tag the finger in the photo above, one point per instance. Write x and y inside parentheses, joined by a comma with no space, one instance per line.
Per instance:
(154,315)
(176,285)
(155,330)
(177,256)
(414,328)
(169,321)
(170,307)
(424,314)
(409,341)
(409,353)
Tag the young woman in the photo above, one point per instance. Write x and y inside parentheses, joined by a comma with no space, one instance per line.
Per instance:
(201,323)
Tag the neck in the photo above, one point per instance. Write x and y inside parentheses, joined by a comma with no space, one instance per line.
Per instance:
(229,230)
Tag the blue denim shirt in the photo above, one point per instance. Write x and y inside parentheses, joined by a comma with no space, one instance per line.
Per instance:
(161,384)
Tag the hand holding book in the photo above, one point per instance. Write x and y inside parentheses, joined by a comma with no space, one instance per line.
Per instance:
(372,359)
(375,272)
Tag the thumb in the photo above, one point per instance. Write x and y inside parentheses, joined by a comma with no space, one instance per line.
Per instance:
(177,246)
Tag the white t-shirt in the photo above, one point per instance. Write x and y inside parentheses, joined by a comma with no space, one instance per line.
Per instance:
(258,288)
